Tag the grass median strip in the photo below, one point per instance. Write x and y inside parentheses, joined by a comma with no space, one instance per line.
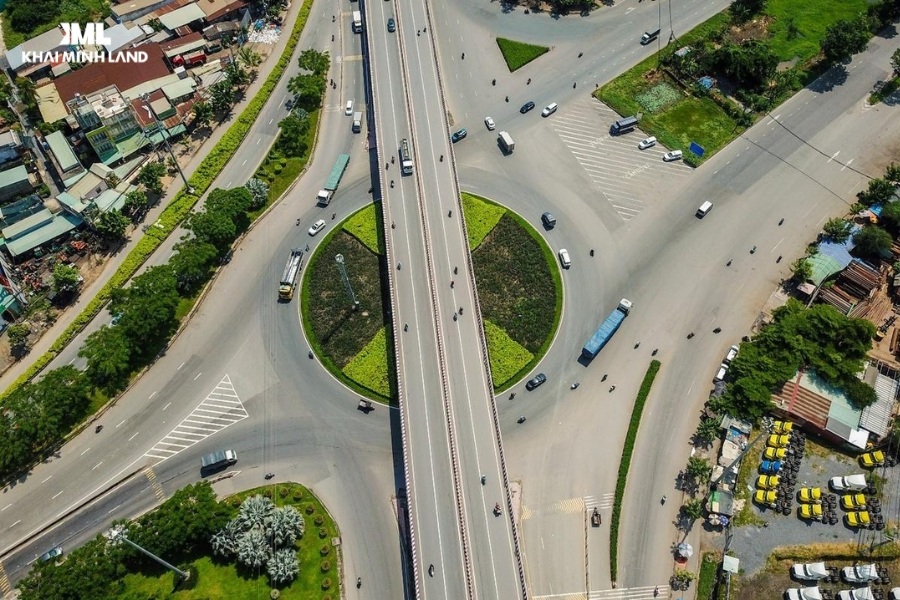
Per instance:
(625,463)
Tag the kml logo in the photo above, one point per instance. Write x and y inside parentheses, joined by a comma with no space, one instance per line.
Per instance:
(93,34)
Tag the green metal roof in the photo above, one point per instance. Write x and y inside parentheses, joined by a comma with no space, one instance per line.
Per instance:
(13,176)
(42,231)
(62,151)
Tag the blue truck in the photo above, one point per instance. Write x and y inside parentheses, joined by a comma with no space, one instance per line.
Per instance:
(607,329)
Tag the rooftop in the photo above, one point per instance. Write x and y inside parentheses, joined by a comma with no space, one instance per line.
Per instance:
(96,76)
(13,176)
(60,148)
(214,9)
(46,42)
(123,9)
(192,41)
(52,107)
(38,229)
(10,138)
(182,16)
(122,37)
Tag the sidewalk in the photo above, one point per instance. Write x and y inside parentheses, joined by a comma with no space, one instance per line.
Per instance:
(69,315)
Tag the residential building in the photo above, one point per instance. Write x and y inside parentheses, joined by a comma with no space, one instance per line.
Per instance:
(131,10)
(12,300)
(182,17)
(15,182)
(122,37)
(221,10)
(10,147)
(107,121)
(19,58)
(62,157)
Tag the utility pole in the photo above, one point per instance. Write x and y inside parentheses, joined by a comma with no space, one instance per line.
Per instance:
(118,535)
(165,136)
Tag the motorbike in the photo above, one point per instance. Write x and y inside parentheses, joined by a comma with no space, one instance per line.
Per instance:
(575,385)
(483,479)
(497,509)
(520,420)
(98,428)
(753,250)
(269,476)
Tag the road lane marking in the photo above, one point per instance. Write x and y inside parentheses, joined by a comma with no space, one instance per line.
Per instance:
(179,366)
(48,479)
(167,406)
(5,507)
(151,396)
(198,375)
(134,436)
(85,452)
(122,422)
(56,495)
(97,465)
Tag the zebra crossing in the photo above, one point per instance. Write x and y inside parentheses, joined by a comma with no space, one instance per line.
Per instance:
(570,506)
(637,593)
(221,408)
(154,484)
(614,164)
(5,585)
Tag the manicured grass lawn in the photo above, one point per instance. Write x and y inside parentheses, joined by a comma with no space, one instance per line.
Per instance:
(280,171)
(519,54)
(370,365)
(506,355)
(810,19)
(219,579)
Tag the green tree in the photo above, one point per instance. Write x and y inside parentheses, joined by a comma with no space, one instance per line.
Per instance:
(895,61)
(860,393)
(108,356)
(213,228)
(692,509)
(744,10)
(872,242)
(233,203)
(892,172)
(259,189)
(890,217)
(65,277)
(18,335)
(752,62)
(846,38)
(309,90)
(294,134)
(802,269)
(878,192)
(315,62)
(90,571)
(112,225)
(151,177)
(135,202)
(249,58)
(191,263)
(203,113)
(236,75)
(221,97)
(707,431)
(147,308)
(838,229)
(699,469)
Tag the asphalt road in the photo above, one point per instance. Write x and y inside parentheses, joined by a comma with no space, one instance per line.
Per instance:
(445,391)
(304,426)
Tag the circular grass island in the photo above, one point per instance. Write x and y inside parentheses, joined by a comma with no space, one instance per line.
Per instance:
(519,292)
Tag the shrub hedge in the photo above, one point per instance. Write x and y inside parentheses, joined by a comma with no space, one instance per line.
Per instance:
(625,463)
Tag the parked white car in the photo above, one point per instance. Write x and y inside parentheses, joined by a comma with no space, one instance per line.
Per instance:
(489,123)
(647,143)
(860,573)
(732,353)
(850,483)
(809,571)
(807,593)
(857,594)
(672,155)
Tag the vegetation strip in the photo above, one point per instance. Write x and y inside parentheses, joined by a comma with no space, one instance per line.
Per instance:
(178,209)
(625,463)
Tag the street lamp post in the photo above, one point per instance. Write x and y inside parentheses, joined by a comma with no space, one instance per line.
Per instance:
(118,535)
(159,125)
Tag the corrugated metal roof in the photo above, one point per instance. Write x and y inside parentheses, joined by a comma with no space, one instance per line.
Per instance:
(182,16)
(13,176)
(877,417)
(59,145)
(59,225)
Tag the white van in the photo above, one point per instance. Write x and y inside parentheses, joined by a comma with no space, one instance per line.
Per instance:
(550,109)
(720,374)
(704,209)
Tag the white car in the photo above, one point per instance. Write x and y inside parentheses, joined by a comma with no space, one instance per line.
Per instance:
(489,123)
(647,143)
(564,259)
(807,593)
(809,571)
(857,594)
(732,352)
(549,109)
(720,374)
(672,155)
(895,593)
(348,110)
(850,483)
(860,573)
(317,227)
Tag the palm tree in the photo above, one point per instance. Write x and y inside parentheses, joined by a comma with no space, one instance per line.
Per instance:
(283,566)
(249,58)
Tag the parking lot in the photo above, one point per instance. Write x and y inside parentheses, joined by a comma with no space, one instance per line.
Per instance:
(628,178)
(753,544)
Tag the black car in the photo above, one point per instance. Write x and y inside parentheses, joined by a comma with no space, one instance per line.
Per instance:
(391,26)
(526,107)
(535,381)
(549,220)
(458,135)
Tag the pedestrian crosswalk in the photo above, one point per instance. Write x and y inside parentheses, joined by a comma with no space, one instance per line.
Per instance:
(637,593)
(622,173)
(5,586)
(221,408)
(569,506)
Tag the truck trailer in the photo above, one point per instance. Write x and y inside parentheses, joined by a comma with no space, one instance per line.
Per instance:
(357,22)
(289,277)
(607,329)
(217,460)
(506,142)
(323,198)
(406,163)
